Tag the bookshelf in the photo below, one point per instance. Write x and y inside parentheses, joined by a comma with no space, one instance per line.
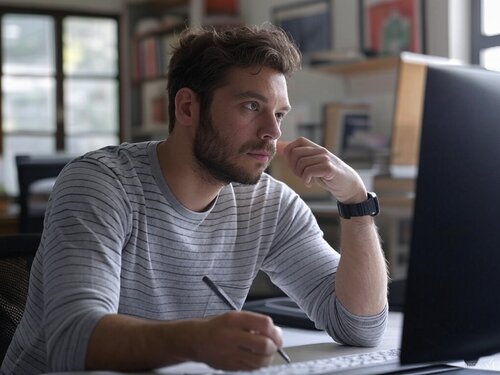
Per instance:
(151,31)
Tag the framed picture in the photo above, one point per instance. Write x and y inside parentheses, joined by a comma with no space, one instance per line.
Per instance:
(154,104)
(348,129)
(308,23)
(389,27)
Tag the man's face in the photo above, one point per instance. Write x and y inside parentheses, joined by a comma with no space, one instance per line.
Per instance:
(236,139)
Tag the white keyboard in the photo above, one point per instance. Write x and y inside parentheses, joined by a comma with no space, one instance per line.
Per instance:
(373,363)
(354,363)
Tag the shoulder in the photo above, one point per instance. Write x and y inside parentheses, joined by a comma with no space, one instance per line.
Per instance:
(113,172)
(126,155)
(113,161)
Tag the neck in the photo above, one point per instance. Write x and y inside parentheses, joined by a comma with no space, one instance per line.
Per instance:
(183,177)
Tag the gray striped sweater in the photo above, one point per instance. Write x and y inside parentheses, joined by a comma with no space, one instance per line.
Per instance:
(116,240)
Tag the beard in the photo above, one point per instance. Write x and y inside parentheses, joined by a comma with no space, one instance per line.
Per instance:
(213,154)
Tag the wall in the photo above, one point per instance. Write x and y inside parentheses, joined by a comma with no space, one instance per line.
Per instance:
(459,30)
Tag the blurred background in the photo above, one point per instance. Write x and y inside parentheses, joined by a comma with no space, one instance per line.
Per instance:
(79,75)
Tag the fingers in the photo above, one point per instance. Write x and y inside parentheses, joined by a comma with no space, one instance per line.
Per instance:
(238,340)
(255,327)
(314,164)
(280,147)
(309,161)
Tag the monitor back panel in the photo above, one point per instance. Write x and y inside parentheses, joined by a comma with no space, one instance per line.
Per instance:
(452,307)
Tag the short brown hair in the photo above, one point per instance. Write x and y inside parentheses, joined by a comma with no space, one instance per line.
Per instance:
(204,55)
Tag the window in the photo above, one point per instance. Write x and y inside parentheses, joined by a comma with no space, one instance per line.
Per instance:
(60,85)
(486,33)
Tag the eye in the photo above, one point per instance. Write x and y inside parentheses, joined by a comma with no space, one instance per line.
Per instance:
(252,106)
(280,116)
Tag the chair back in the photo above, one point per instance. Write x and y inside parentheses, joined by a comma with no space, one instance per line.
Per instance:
(29,170)
(16,256)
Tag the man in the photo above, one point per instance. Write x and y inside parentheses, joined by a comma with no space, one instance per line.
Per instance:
(130,231)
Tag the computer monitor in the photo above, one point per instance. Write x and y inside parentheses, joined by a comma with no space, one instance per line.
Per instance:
(452,305)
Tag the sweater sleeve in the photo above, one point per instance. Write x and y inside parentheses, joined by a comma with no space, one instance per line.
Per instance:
(304,266)
(87,221)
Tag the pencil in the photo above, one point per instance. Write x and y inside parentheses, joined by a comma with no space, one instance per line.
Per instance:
(222,294)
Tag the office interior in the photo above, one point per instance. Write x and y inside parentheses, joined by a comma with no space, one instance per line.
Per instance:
(347,79)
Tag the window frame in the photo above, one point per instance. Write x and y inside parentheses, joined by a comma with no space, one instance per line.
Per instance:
(59,76)
(479,41)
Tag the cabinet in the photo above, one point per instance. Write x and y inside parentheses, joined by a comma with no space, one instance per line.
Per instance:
(152,29)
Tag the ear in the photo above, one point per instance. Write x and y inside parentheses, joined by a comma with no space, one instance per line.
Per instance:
(186,107)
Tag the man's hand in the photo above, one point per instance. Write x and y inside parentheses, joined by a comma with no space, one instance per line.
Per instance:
(237,340)
(361,278)
(315,164)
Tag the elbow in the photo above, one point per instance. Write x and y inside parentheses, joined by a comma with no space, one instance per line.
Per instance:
(370,340)
(67,344)
(64,354)
(353,330)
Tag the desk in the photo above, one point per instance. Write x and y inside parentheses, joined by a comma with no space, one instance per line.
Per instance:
(303,345)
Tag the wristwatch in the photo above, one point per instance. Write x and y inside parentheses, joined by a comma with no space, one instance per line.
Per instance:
(369,207)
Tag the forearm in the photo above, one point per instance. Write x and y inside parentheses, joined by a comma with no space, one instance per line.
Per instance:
(236,340)
(361,280)
(124,343)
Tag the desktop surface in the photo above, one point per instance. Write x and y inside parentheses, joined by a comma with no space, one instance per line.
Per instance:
(306,345)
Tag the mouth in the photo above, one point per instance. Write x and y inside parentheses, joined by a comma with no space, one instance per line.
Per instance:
(261,156)
(262,152)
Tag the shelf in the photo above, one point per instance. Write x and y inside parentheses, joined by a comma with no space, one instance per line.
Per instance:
(360,67)
(153,27)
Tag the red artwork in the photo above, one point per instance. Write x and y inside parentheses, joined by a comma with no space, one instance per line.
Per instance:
(393,26)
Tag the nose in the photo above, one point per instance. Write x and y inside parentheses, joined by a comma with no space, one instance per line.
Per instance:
(270,128)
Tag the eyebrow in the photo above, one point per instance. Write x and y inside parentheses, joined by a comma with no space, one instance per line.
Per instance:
(255,95)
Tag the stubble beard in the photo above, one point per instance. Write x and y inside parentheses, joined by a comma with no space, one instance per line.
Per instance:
(212,153)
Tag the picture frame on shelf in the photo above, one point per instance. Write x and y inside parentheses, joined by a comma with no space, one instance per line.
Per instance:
(389,27)
(308,23)
(347,129)
(154,105)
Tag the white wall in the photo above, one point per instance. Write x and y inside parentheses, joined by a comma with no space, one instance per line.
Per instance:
(459,30)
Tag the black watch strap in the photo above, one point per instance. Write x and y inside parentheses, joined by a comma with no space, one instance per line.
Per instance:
(370,207)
